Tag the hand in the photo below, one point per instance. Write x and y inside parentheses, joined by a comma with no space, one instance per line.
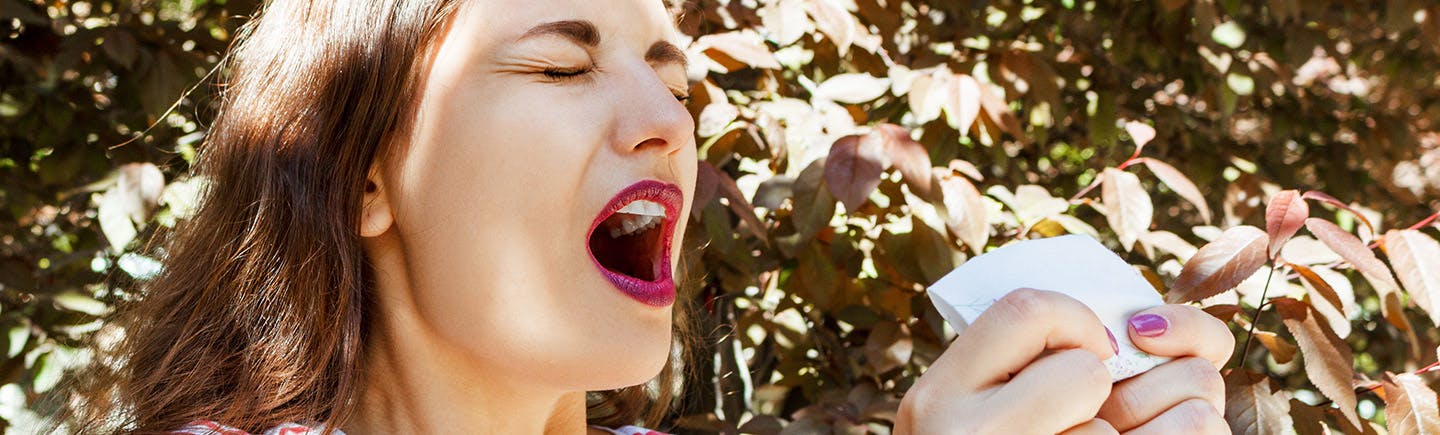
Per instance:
(1185,395)
(997,376)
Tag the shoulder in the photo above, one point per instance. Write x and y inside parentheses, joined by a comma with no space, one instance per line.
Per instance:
(207,427)
(628,430)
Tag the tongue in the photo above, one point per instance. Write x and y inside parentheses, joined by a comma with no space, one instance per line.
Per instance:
(627,254)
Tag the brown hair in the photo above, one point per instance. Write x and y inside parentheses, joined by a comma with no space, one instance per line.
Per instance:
(260,314)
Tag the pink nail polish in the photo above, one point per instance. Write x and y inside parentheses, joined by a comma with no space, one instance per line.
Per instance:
(1149,325)
(1114,345)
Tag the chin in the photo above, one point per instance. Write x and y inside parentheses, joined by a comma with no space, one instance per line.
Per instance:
(633,365)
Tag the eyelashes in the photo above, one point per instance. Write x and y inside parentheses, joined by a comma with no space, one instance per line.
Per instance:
(561,75)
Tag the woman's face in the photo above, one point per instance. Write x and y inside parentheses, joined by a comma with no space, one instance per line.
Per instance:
(540,198)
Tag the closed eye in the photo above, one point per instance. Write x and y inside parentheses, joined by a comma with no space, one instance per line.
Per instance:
(561,74)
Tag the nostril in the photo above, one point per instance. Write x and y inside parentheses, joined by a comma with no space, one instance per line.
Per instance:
(653,142)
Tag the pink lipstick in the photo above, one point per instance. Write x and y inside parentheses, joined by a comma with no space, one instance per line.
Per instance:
(630,241)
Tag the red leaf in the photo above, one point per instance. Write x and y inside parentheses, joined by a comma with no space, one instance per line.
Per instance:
(1322,197)
(1177,182)
(1327,357)
(853,169)
(966,213)
(908,156)
(1416,258)
(1410,405)
(1284,216)
(1363,259)
(1220,265)
(1141,133)
(1129,207)
(1253,406)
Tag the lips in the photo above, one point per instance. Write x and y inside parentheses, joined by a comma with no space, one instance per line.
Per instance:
(631,237)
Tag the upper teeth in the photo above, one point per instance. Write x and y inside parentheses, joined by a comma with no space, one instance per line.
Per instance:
(637,216)
(644,208)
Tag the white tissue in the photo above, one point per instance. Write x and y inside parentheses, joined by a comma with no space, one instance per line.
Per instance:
(1076,265)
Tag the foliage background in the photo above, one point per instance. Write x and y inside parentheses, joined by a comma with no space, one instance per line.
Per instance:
(853,151)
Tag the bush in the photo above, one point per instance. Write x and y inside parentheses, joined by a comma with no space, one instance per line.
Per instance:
(853,151)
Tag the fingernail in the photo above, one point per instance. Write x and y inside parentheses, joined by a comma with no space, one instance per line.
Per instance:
(1149,325)
(1114,345)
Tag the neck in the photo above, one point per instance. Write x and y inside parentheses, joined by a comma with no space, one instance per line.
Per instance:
(416,387)
(415,382)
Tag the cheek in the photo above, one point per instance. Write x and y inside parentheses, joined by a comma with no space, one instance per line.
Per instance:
(493,222)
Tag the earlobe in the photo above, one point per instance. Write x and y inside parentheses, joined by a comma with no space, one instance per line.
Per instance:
(375,214)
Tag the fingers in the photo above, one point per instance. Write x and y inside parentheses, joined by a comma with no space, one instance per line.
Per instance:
(1069,386)
(1137,400)
(1014,331)
(1092,427)
(1194,416)
(1180,331)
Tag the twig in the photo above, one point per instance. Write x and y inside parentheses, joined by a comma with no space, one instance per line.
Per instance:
(1255,318)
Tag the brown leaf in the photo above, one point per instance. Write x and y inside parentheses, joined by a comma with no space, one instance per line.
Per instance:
(1224,312)
(813,205)
(966,213)
(1410,405)
(852,88)
(1129,208)
(1253,406)
(966,168)
(1416,258)
(888,346)
(1284,216)
(907,156)
(1178,182)
(743,47)
(1220,265)
(1280,349)
(927,94)
(715,117)
(1317,284)
(1327,357)
(786,21)
(999,113)
(738,204)
(1364,260)
(962,102)
(853,169)
(834,21)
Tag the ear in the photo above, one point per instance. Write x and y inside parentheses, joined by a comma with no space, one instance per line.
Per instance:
(375,214)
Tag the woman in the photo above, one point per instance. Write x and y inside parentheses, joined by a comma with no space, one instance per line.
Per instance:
(437,216)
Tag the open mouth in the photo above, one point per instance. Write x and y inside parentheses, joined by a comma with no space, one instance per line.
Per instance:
(630,241)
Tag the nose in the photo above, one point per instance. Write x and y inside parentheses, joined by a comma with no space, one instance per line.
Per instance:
(648,117)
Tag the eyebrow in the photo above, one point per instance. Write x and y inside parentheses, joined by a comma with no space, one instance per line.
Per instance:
(585,33)
(581,31)
(664,51)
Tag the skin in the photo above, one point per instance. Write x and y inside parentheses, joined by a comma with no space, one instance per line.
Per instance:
(491,314)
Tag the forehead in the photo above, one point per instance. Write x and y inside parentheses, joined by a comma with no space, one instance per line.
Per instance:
(633,23)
